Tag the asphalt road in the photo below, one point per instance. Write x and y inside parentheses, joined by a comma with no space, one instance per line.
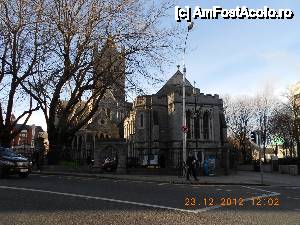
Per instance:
(49,199)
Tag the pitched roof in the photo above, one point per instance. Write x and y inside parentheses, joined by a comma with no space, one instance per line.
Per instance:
(174,83)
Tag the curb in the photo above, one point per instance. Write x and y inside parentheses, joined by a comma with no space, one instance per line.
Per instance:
(145,180)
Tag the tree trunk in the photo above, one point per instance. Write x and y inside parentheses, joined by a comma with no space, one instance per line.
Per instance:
(5,138)
(54,145)
(5,141)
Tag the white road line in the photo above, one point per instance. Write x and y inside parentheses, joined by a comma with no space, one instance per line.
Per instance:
(161,184)
(219,189)
(139,203)
(98,198)
(294,198)
(258,189)
(88,179)
(41,175)
(293,188)
(136,181)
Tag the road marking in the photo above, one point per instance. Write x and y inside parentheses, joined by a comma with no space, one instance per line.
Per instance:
(139,203)
(137,181)
(98,198)
(228,190)
(162,184)
(293,188)
(258,189)
(219,189)
(294,198)
(40,175)
(298,210)
(88,179)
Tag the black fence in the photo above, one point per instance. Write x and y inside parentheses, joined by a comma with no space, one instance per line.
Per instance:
(146,160)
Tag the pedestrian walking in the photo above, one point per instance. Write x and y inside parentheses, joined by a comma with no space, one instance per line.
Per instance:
(191,166)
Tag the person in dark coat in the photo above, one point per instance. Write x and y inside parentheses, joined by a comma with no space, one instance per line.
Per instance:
(37,159)
(191,166)
(39,153)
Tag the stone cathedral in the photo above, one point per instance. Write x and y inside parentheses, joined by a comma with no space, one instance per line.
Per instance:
(154,125)
(98,139)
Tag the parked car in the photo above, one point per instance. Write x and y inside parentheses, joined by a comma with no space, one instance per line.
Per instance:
(13,163)
(110,164)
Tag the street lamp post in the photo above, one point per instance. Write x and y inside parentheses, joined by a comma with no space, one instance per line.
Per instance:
(195,117)
(190,26)
(150,132)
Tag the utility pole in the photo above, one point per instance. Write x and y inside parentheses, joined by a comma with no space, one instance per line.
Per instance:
(150,131)
(183,116)
(195,117)
(190,26)
(260,153)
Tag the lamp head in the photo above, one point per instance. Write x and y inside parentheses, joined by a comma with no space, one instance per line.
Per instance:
(191,24)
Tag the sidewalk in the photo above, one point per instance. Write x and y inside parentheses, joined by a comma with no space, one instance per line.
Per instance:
(240,178)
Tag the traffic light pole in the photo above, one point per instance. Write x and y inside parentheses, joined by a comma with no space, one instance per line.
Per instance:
(256,140)
(260,162)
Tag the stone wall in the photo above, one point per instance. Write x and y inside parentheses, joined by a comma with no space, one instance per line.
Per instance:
(111,148)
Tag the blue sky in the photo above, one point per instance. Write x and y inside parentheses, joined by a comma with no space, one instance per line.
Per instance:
(242,57)
(238,57)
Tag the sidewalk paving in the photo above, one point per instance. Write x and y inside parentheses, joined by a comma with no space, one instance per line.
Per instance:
(239,178)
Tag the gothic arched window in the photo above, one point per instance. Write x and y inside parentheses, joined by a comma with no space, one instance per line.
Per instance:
(141,122)
(197,126)
(188,123)
(206,125)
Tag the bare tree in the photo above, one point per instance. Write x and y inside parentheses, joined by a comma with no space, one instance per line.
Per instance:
(285,122)
(294,106)
(282,126)
(20,49)
(264,106)
(80,31)
(239,114)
